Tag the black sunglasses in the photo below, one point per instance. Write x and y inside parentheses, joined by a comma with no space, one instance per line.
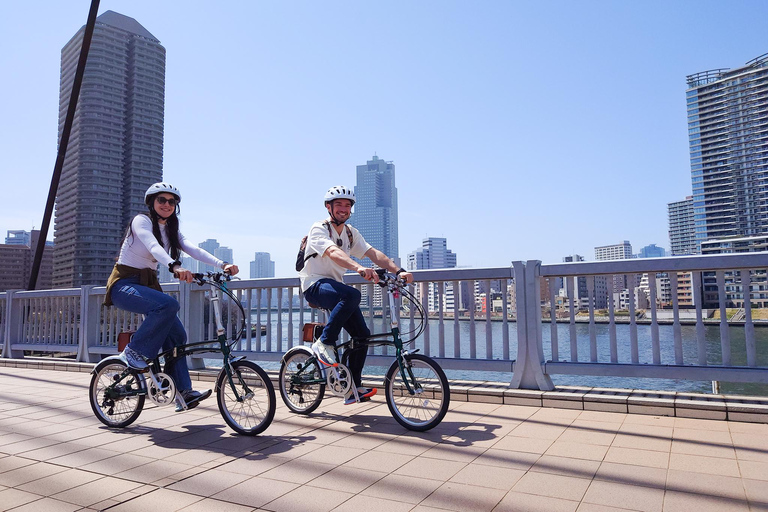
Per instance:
(162,200)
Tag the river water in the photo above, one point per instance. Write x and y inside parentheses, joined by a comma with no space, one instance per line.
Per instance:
(666,336)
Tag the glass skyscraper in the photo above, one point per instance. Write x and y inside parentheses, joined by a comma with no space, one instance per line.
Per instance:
(115,150)
(728,138)
(375,213)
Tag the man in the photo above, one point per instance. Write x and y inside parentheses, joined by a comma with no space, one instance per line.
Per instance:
(330,244)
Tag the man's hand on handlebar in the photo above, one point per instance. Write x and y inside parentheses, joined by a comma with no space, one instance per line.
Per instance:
(368,274)
(231,269)
(406,277)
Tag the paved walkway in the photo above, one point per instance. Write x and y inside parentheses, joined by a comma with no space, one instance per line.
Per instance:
(55,455)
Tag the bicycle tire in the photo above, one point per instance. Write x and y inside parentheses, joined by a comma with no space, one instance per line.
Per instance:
(426,408)
(299,398)
(115,412)
(254,413)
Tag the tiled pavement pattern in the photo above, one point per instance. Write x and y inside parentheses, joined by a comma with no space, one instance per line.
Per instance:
(55,456)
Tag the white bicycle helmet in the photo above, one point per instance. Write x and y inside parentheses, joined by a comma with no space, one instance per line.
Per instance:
(157,188)
(339,192)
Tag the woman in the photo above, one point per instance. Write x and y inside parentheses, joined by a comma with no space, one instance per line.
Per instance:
(154,238)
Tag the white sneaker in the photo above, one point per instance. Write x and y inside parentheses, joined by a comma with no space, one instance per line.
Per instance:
(324,353)
(133,359)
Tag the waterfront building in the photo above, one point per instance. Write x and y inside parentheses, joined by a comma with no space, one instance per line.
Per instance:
(224,254)
(622,251)
(16,262)
(580,291)
(682,233)
(434,254)
(262,265)
(734,292)
(728,143)
(375,212)
(115,151)
(652,251)
(210,245)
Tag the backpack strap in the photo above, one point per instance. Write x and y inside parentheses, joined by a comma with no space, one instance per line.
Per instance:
(349,232)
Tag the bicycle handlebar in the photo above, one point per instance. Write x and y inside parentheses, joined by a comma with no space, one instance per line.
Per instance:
(216,277)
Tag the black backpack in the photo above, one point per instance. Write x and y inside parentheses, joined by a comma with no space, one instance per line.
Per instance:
(301,259)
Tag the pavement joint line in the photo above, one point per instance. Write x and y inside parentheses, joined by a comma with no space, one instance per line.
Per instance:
(684,404)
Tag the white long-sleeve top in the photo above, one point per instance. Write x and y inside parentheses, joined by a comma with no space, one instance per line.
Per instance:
(140,249)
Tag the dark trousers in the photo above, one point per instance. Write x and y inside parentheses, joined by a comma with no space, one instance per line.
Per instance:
(344,304)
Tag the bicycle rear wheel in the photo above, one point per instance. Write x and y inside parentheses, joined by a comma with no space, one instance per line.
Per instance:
(114,400)
(255,410)
(299,394)
(426,407)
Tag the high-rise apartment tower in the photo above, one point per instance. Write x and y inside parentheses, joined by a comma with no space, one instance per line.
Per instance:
(728,139)
(682,233)
(115,151)
(375,212)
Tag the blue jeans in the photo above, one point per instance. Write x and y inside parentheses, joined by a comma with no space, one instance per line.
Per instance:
(161,328)
(344,304)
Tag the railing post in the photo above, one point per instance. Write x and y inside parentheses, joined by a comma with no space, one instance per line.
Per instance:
(90,309)
(13,325)
(528,372)
(192,327)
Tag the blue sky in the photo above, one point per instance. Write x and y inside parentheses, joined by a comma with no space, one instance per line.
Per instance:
(519,130)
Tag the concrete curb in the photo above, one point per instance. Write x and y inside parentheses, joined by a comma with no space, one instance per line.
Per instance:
(751,409)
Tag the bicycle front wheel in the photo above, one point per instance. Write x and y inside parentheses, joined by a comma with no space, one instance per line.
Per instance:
(299,388)
(425,408)
(115,401)
(255,409)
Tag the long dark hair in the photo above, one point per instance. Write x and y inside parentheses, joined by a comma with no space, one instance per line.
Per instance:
(171,227)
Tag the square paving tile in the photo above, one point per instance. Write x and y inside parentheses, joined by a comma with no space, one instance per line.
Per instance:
(433,469)
(208,483)
(298,471)
(403,488)
(96,491)
(306,497)
(518,501)
(632,475)
(566,466)
(364,502)
(554,486)
(619,495)
(159,500)
(577,450)
(255,492)
(488,476)
(705,485)
(60,482)
(462,497)
(347,479)
(637,457)
(380,461)
(675,501)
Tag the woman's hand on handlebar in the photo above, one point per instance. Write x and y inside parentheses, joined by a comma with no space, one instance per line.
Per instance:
(231,269)
(183,274)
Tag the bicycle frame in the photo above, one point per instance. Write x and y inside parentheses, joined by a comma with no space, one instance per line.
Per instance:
(218,285)
(390,283)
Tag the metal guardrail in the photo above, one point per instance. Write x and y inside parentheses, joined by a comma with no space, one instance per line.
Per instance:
(465,330)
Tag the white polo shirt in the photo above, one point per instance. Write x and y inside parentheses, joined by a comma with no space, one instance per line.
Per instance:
(321,266)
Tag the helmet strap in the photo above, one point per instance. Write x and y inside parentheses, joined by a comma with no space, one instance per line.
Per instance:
(335,221)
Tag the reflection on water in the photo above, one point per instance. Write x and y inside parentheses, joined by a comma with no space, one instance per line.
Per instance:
(495,350)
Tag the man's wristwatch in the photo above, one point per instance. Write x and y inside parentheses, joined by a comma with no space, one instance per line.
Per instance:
(224,264)
(400,271)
